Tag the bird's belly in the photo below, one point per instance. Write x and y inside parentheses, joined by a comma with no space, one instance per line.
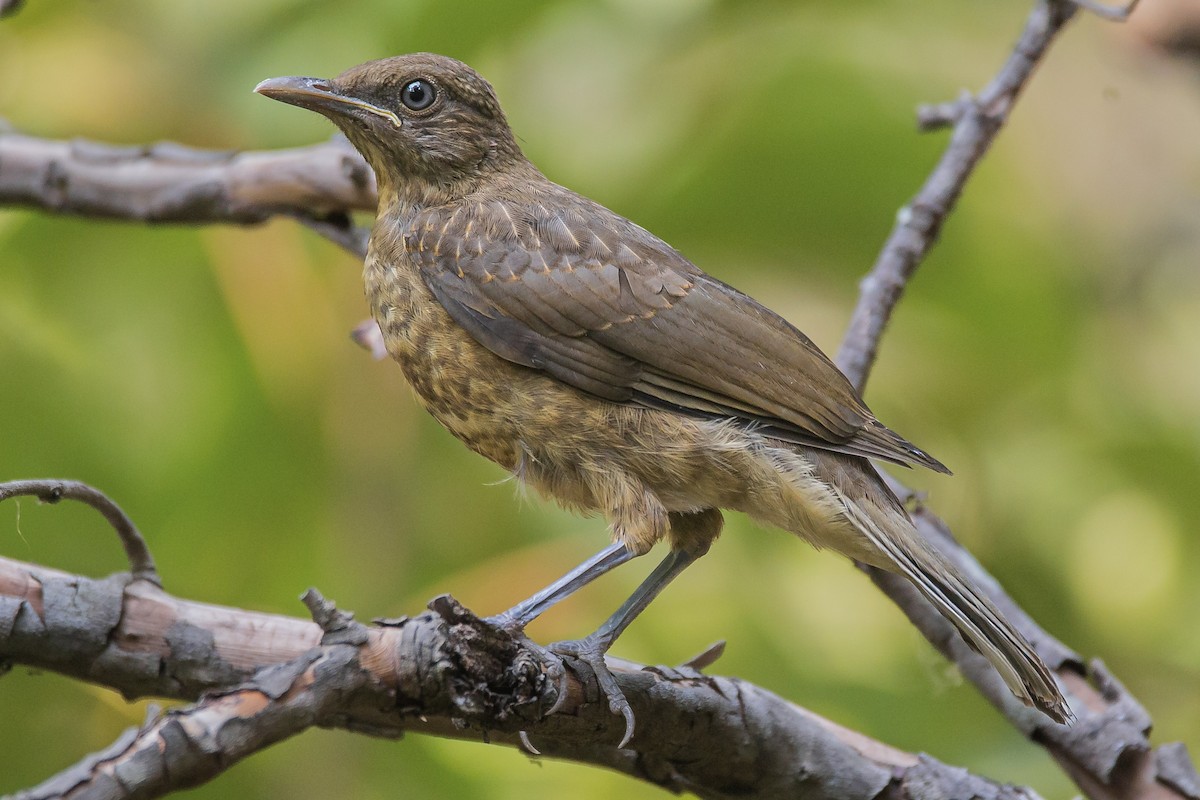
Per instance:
(562,443)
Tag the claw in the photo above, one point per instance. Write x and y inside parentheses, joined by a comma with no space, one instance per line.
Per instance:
(590,651)
(527,745)
(627,713)
(558,673)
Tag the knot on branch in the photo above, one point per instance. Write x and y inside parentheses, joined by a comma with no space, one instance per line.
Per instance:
(493,674)
(340,626)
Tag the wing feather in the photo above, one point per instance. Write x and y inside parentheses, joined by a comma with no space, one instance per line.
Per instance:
(604,306)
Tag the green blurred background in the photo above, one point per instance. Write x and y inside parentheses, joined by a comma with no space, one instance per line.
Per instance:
(1048,351)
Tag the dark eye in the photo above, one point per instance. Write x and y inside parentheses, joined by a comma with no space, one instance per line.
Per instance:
(418,95)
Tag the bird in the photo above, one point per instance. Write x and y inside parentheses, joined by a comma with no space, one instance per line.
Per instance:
(602,368)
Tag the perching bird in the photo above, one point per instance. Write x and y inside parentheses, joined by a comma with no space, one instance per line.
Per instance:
(601,367)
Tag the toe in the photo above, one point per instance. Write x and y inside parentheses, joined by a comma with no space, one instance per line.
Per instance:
(591,652)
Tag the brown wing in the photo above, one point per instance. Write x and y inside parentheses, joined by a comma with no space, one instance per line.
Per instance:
(604,306)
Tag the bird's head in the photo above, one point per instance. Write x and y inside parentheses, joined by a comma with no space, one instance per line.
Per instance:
(423,122)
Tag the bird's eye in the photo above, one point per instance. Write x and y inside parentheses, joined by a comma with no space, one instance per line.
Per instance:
(418,95)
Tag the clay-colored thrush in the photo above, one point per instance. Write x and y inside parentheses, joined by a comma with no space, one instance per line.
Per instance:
(598,365)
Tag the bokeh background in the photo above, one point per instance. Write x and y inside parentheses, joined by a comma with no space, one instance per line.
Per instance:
(1049,351)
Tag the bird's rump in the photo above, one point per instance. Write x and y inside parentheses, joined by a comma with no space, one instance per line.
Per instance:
(606,307)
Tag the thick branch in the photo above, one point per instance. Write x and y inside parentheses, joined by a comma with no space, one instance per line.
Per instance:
(444,672)
(169,183)
(190,746)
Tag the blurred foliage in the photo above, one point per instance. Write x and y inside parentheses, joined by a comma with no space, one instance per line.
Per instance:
(1048,351)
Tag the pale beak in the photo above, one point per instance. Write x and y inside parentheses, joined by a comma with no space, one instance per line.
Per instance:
(316,94)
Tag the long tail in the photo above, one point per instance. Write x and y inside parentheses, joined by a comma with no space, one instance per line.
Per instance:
(879,516)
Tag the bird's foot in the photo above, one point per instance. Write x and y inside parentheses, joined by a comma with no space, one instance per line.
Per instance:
(590,650)
(555,671)
(507,622)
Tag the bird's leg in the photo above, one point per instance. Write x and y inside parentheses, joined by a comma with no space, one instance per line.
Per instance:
(690,535)
(527,611)
(591,649)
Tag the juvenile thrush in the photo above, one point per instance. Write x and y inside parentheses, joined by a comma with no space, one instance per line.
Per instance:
(601,367)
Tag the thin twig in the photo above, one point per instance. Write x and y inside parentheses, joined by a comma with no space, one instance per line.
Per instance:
(141,563)
(1107,752)
(1114,13)
(976,122)
(369,337)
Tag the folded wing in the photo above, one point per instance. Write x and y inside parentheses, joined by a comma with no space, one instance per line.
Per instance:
(606,307)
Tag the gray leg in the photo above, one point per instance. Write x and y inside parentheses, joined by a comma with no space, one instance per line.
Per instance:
(527,611)
(591,649)
(666,571)
(691,533)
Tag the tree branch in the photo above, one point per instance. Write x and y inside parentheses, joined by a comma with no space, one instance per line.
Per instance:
(976,120)
(169,183)
(1107,751)
(141,563)
(445,672)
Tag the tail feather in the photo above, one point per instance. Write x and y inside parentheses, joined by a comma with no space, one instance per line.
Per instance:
(981,624)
